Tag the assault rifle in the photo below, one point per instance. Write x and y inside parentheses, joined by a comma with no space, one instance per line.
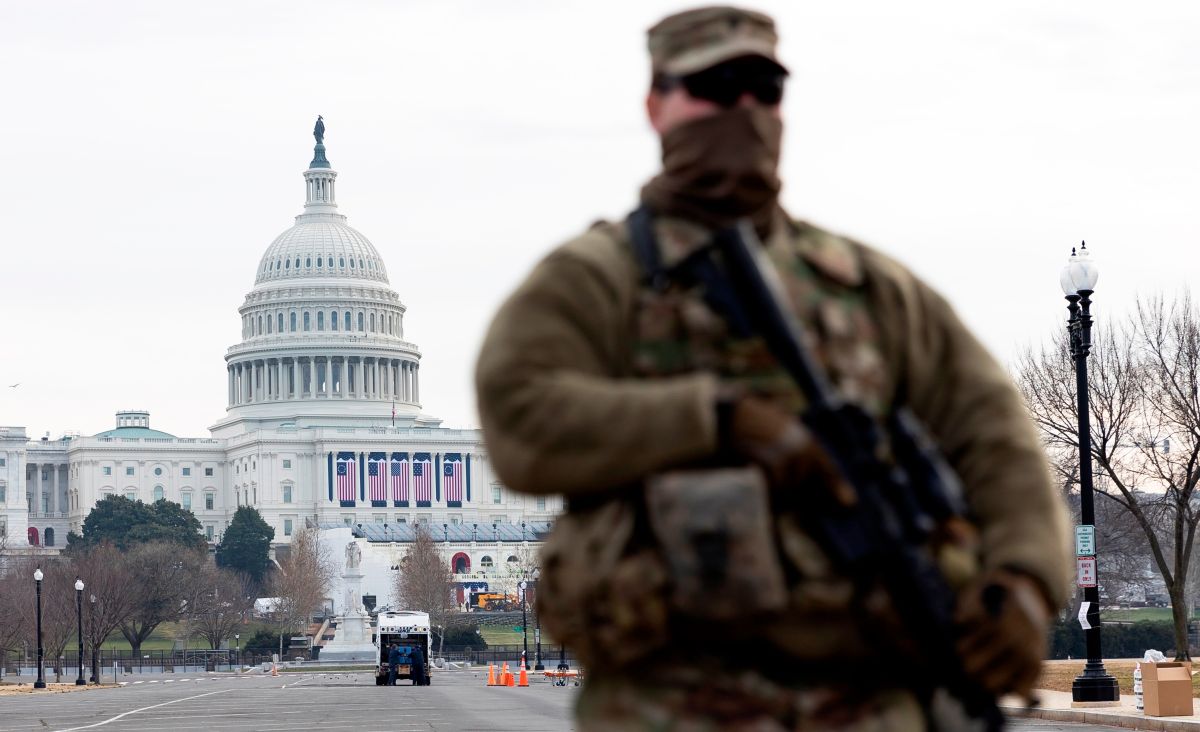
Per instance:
(899,504)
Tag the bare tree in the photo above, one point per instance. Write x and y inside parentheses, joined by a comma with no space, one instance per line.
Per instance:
(218,602)
(107,599)
(160,576)
(424,581)
(1145,411)
(301,582)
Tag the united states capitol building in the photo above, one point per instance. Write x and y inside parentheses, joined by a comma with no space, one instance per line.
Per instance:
(324,422)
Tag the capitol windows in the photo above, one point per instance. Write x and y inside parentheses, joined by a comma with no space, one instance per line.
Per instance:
(287,527)
(513,561)
(541,503)
(268,323)
(318,262)
(360,320)
(208,532)
(342,262)
(130,495)
(158,471)
(287,494)
(187,501)
(106,470)
(279,323)
(187,472)
(128,471)
(495,494)
(287,464)
(352,263)
(260,325)
(372,322)
(297,262)
(293,323)
(333,320)
(486,562)
(307,320)
(208,501)
(308,262)
(208,472)
(320,320)
(158,493)
(3,493)
(347,320)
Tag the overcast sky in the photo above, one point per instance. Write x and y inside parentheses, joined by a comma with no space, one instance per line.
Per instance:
(152,151)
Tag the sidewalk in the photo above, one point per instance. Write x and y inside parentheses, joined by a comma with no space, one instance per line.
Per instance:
(1055,706)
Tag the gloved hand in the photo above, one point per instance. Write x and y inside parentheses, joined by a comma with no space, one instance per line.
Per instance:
(1003,618)
(782,446)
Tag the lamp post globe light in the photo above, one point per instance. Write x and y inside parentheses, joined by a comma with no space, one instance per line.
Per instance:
(41,679)
(79,627)
(1078,280)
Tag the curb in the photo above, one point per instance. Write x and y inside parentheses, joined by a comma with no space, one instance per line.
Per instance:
(1124,721)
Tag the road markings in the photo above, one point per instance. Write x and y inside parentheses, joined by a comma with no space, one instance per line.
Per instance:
(143,709)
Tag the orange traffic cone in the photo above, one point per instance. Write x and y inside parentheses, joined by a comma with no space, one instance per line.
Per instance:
(491,674)
(509,679)
(524,681)
(504,674)
(274,670)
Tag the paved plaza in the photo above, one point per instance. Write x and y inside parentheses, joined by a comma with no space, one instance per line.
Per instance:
(457,700)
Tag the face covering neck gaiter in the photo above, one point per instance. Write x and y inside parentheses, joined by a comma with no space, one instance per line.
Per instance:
(720,169)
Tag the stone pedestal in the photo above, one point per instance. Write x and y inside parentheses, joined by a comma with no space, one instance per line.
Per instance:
(352,639)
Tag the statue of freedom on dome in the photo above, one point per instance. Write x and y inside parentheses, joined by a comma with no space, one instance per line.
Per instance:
(319,131)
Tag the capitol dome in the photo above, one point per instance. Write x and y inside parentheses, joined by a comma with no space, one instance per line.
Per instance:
(321,248)
(322,329)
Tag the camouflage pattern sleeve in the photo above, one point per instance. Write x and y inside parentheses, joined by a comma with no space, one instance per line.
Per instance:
(969,403)
(559,411)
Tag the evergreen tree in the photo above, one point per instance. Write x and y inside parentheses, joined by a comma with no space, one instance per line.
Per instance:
(125,524)
(246,545)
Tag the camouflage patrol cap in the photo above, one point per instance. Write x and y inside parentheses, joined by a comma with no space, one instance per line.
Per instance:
(694,40)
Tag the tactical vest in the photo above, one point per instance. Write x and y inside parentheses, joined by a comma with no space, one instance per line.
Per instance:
(610,587)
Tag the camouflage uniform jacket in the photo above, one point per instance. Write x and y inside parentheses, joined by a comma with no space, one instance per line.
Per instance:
(566,407)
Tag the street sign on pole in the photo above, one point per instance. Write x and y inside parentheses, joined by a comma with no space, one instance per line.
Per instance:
(1085,541)
(1085,571)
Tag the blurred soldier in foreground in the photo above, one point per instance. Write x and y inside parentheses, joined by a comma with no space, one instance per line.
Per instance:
(700,572)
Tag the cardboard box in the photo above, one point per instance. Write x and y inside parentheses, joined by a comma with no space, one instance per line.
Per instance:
(1167,689)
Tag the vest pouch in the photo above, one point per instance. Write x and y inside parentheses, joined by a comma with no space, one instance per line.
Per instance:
(715,535)
(603,591)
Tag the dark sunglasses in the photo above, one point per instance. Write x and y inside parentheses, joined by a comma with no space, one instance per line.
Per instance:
(724,84)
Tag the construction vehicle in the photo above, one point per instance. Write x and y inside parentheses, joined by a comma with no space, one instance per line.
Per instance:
(494,601)
(408,629)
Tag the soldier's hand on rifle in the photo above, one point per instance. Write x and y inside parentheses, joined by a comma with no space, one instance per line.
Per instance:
(1003,619)
(782,446)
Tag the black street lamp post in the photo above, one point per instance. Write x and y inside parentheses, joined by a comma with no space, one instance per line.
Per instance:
(524,624)
(237,650)
(79,627)
(537,623)
(1078,280)
(41,679)
(95,660)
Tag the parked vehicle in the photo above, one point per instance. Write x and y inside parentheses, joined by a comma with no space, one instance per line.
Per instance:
(408,629)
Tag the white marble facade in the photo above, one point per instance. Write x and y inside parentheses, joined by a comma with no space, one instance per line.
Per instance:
(322,374)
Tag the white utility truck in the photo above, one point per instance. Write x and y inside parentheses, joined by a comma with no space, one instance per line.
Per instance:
(408,629)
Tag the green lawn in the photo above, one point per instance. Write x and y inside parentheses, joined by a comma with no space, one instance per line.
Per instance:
(166,637)
(1137,614)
